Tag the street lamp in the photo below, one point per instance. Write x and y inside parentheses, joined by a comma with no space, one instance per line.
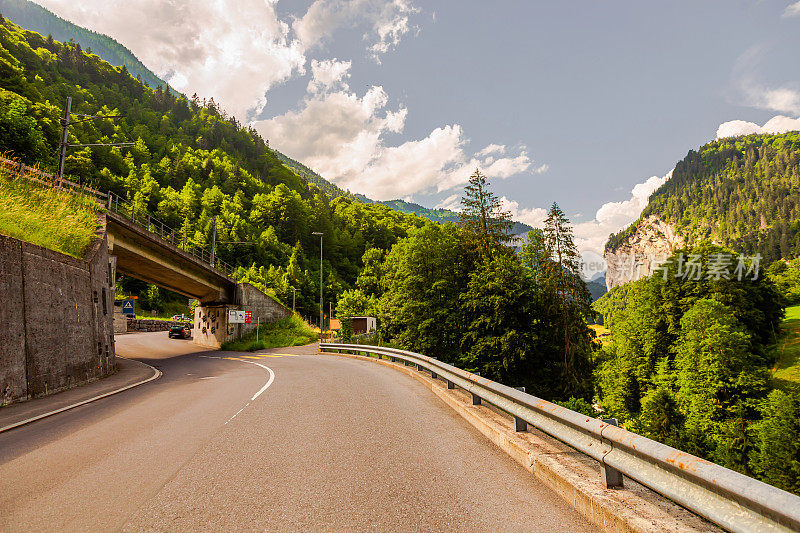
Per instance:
(320,281)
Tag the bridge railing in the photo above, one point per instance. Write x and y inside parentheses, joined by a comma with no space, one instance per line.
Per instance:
(114,203)
(144,219)
(729,499)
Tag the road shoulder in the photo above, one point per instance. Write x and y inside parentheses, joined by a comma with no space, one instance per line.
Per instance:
(130,373)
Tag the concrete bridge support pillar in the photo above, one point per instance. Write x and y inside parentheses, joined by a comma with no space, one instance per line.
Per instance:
(210,325)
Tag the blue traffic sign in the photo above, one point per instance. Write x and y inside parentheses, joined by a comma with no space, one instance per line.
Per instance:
(127,308)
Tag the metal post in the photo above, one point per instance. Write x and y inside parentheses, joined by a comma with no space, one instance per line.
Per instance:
(214,240)
(476,400)
(294,296)
(258,325)
(321,308)
(62,155)
(519,424)
(610,477)
(450,384)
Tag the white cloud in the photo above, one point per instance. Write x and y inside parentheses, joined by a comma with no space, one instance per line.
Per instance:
(777,124)
(492,149)
(452,202)
(328,74)
(792,10)
(233,51)
(615,216)
(783,99)
(534,216)
(343,137)
(388,21)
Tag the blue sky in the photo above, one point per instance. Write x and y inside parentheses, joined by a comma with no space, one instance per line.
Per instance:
(589,104)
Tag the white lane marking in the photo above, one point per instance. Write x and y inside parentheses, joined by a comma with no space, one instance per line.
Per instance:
(209,377)
(256,395)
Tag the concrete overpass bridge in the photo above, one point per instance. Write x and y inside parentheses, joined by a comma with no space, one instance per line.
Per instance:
(141,246)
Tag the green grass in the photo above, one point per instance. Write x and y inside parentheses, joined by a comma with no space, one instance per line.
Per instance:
(53,219)
(290,331)
(787,368)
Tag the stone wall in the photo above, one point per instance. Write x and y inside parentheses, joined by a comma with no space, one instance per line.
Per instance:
(56,319)
(136,325)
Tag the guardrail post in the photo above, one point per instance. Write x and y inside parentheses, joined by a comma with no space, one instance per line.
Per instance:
(610,477)
(450,384)
(476,400)
(520,425)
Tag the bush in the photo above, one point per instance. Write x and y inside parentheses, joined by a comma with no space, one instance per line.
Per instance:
(291,331)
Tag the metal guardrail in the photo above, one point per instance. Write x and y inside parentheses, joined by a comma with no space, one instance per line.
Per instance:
(729,499)
(125,209)
(115,204)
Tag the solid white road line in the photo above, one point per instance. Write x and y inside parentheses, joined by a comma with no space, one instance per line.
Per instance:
(260,392)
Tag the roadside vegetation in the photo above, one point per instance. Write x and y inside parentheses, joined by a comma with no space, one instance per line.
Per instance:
(291,331)
(54,219)
(786,372)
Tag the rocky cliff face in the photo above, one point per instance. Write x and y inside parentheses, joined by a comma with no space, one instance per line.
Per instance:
(652,242)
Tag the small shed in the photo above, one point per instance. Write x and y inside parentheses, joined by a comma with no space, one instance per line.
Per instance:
(363,324)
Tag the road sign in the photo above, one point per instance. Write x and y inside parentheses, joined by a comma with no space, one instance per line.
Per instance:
(127,308)
(248,317)
(235,317)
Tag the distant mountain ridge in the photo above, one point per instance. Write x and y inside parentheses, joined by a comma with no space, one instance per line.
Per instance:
(36,18)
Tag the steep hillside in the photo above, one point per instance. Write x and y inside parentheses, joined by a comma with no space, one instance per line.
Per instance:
(190,162)
(742,193)
(36,18)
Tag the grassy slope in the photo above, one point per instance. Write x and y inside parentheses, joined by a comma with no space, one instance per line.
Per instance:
(787,370)
(290,331)
(53,219)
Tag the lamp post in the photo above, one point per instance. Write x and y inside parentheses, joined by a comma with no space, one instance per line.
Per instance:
(321,309)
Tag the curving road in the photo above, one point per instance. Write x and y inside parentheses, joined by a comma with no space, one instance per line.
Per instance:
(286,441)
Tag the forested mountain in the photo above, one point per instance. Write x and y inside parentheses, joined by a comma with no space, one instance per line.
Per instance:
(742,192)
(190,162)
(34,17)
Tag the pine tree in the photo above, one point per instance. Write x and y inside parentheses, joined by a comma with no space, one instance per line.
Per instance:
(562,279)
(482,219)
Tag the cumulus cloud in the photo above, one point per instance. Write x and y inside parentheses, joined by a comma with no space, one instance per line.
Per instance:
(783,99)
(777,124)
(793,10)
(533,216)
(328,74)
(342,136)
(615,216)
(233,51)
(388,21)
(452,202)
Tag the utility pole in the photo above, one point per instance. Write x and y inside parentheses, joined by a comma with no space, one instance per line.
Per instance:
(321,308)
(62,154)
(213,240)
(65,123)
(294,297)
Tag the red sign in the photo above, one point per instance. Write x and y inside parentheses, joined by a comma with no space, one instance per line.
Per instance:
(248,317)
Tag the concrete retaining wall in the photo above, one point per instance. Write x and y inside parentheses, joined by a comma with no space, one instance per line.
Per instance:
(56,319)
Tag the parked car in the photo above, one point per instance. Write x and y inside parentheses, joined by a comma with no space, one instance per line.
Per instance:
(181,332)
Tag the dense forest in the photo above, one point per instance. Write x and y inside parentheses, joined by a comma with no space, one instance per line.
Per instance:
(34,17)
(190,162)
(689,363)
(742,192)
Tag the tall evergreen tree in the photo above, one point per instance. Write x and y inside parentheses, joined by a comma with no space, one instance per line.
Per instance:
(482,218)
(562,279)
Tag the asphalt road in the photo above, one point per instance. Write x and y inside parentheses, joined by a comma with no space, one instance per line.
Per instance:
(280,442)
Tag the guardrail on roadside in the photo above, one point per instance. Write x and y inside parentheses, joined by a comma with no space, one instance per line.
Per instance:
(729,499)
